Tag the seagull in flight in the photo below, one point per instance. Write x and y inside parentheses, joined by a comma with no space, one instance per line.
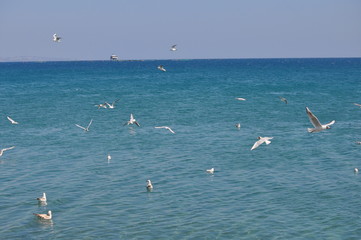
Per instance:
(149,186)
(5,149)
(112,105)
(283,99)
(173,48)
(12,120)
(161,68)
(260,141)
(132,121)
(165,127)
(42,199)
(56,38)
(359,105)
(316,123)
(87,128)
(47,216)
(240,99)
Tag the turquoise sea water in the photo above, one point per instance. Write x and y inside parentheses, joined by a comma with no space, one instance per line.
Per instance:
(301,186)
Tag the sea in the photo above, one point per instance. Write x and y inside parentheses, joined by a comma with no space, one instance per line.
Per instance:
(301,186)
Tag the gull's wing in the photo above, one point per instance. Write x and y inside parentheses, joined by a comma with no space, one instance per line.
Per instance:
(80,127)
(174,46)
(359,105)
(256,144)
(170,130)
(330,123)
(5,149)
(160,127)
(137,123)
(313,119)
(131,117)
(115,101)
(11,120)
(90,123)
(107,104)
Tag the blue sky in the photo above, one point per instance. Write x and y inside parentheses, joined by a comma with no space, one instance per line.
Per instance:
(145,29)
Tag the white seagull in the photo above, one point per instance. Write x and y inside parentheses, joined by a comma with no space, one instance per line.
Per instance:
(56,38)
(149,186)
(11,120)
(109,157)
(173,48)
(355,170)
(316,123)
(5,149)
(260,141)
(211,171)
(132,121)
(358,142)
(112,105)
(47,216)
(240,99)
(87,128)
(283,99)
(165,127)
(359,105)
(160,67)
(42,199)
(238,125)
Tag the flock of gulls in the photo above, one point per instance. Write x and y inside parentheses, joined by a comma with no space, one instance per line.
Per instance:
(317,127)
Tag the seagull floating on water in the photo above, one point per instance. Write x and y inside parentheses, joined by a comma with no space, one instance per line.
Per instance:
(11,120)
(5,149)
(240,99)
(112,105)
(316,123)
(42,199)
(109,157)
(283,99)
(47,216)
(149,186)
(355,170)
(160,67)
(165,127)
(132,121)
(211,171)
(260,141)
(238,125)
(56,38)
(87,128)
(173,48)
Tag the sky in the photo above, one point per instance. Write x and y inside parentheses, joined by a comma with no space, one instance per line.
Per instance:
(202,29)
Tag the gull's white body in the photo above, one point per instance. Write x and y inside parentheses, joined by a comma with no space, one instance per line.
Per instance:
(149,185)
(5,149)
(318,127)
(132,121)
(355,170)
(173,48)
(160,67)
(238,125)
(87,128)
(56,38)
(11,120)
(260,141)
(211,171)
(166,127)
(47,216)
(42,199)
(240,99)
(112,105)
(109,157)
